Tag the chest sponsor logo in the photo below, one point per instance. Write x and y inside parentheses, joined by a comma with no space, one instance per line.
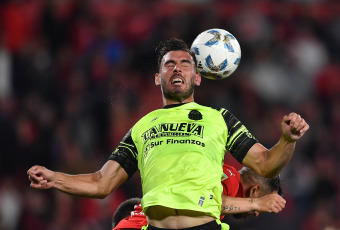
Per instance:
(173,130)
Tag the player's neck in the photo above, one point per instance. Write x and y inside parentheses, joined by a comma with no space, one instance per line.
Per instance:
(167,101)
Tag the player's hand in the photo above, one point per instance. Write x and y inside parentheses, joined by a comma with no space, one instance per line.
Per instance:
(41,177)
(270,203)
(293,127)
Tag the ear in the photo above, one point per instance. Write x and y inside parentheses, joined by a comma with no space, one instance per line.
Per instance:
(198,79)
(157,79)
(255,191)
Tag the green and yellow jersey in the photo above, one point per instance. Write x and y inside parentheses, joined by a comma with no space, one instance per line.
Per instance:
(179,151)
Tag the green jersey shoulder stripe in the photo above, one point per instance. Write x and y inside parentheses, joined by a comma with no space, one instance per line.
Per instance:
(240,139)
(126,154)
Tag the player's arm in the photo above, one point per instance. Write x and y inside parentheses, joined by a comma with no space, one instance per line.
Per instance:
(121,165)
(95,185)
(269,203)
(269,163)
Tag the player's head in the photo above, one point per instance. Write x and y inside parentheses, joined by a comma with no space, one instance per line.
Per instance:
(177,74)
(257,186)
(124,210)
(173,44)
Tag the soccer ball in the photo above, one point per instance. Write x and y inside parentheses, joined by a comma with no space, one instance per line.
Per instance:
(218,53)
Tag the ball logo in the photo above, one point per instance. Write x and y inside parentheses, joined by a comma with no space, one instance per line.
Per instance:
(210,64)
(227,43)
(217,38)
(199,65)
(196,50)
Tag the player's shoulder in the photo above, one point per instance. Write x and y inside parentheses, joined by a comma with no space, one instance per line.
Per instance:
(229,171)
(230,181)
(211,113)
(150,117)
(225,112)
(211,109)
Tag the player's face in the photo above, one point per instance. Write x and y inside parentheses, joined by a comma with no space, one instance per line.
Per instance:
(177,76)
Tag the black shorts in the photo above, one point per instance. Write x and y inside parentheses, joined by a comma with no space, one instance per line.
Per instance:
(213,225)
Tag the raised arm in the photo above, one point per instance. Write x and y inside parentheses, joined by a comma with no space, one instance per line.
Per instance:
(268,203)
(95,185)
(269,163)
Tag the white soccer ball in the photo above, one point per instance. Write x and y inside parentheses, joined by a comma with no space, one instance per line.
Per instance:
(218,53)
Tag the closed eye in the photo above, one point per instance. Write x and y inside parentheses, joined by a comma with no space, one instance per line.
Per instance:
(172,63)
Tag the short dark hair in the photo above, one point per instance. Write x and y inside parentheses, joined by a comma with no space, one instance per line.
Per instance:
(276,185)
(271,185)
(173,44)
(124,210)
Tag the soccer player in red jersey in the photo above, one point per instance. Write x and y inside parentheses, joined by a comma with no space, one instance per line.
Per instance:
(245,194)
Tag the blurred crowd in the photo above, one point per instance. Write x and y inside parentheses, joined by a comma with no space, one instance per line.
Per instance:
(75,75)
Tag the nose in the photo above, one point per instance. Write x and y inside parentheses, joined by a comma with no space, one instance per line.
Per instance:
(177,68)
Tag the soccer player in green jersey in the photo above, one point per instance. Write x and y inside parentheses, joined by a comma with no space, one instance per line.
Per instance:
(179,151)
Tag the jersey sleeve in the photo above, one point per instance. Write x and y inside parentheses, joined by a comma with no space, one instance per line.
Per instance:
(240,140)
(126,154)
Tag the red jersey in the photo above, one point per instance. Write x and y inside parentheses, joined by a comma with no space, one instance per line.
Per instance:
(136,220)
(231,182)
(232,186)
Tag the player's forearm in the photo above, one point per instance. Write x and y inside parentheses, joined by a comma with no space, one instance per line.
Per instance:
(85,185)
(234,205)
(269,163)
(278,157)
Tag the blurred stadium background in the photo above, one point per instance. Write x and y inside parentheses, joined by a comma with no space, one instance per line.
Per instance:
(75,75)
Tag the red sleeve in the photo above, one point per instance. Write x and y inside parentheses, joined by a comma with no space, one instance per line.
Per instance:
(231,182)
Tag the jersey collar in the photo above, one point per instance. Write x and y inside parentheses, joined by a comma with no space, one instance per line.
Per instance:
(173,105)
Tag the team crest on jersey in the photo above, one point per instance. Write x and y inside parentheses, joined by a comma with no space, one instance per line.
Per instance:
(195,115)
(173,130)
(224,177)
